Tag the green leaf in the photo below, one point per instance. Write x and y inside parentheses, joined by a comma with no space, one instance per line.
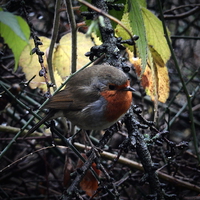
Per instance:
(117,13)
(15,32)
(120,32)
(138,28)
(93,25)
(84,8)
(155,34)
(142,3)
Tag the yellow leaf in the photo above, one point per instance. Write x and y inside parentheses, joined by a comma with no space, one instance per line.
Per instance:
(61,59)
(96,39)
(155,79)
(62,55)
(120,32)
(30,64)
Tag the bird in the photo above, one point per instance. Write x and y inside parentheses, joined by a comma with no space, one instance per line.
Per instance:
(93,99)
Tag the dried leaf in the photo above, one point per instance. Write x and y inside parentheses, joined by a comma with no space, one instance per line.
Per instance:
(155,79)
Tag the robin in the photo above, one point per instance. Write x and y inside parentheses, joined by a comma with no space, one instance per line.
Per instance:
(93,99)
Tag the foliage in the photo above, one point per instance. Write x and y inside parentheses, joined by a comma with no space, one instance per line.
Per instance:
(152,48)
(15,32)
(61,59)
(142,159)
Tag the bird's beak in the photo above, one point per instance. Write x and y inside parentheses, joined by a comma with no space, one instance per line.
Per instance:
(129,88)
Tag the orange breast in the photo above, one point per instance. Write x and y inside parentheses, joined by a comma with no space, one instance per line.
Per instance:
(119,102)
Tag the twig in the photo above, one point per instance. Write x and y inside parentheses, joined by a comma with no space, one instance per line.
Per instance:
(135,165)
(174,97)
(53,41)
(185,37)
(106,15)
(183,83)
(183,107)
(72,22)
(37,42)
(182,15)
(20,159)
(136,138)
(179,7)
(34,113)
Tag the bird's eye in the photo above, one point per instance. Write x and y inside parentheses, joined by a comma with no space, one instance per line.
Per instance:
(112,87)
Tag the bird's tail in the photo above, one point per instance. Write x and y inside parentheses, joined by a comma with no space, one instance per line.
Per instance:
(42,121)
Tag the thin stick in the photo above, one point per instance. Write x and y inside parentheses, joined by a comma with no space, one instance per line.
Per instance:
(188,96)
(53,41)
(106,15)
(71,17)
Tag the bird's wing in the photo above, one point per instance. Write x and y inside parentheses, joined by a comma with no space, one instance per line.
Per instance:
(61,101)
(72,101)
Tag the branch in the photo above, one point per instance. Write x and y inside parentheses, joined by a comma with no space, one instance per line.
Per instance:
(188,96)
(72,22)
(106,15)
(135,165)
(183,15)
(53,41)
